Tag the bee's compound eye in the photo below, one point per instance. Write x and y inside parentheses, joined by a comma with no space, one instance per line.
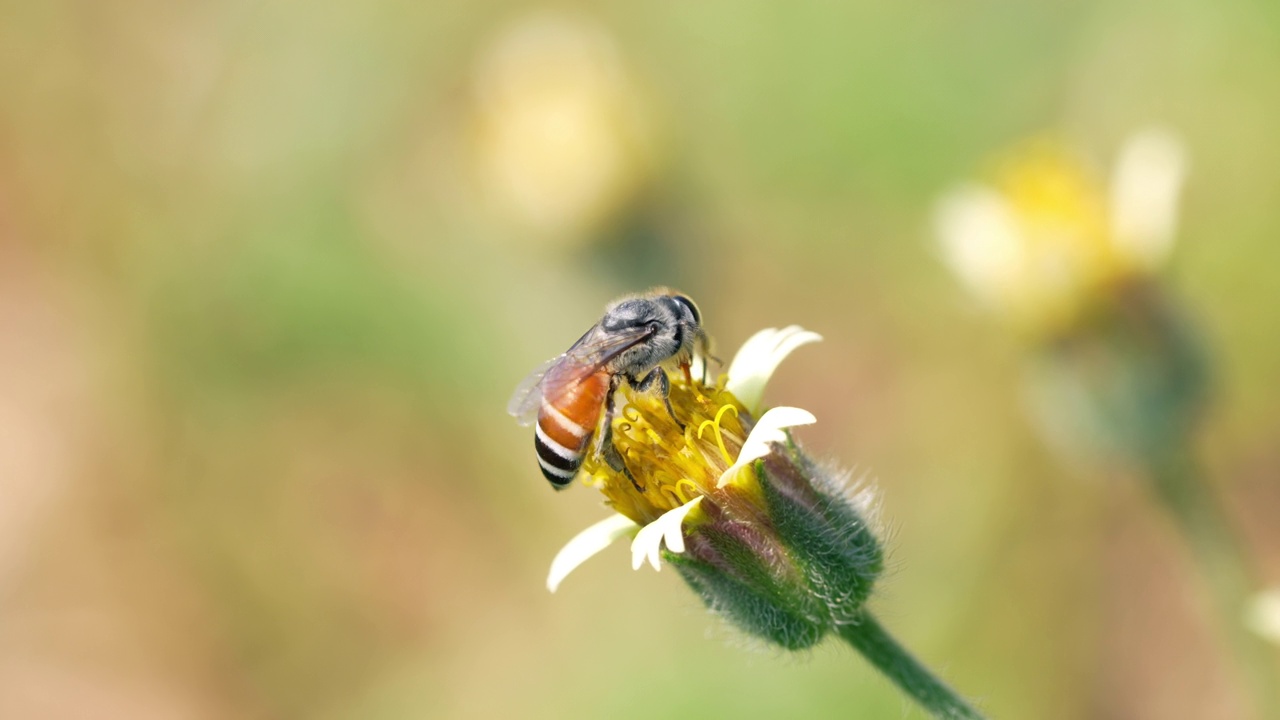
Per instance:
(693,309)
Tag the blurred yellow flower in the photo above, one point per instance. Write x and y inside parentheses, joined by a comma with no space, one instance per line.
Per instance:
(1263,614)
(1047,238)
(561,137)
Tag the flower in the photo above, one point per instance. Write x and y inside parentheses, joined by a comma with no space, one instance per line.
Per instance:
(1117,375)
(1047,239)
(708,455)
(561,133)
(1117,378)
(760,531)
(767,538)
(1263,614)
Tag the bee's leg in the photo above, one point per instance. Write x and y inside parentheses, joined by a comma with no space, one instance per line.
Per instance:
(607,449)
(615,461)
(664,386)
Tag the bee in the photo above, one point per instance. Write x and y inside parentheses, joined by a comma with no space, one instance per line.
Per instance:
(571,396)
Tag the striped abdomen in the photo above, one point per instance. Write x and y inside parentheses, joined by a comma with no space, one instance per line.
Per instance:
(565,425)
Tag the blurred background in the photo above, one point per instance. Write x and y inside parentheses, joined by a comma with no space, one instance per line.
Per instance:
(269,270)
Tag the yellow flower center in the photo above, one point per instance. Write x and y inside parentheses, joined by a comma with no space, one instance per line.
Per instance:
(672,460)
(1069,253)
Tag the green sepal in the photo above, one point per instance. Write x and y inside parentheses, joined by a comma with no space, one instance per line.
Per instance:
(751,607)
(1128,384)
(833,546)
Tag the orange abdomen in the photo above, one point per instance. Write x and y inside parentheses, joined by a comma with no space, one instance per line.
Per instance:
(566,423)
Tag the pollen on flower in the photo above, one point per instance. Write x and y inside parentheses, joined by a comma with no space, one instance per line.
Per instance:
(672,460)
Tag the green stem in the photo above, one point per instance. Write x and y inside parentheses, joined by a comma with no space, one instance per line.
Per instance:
(1217,551)
(875,643)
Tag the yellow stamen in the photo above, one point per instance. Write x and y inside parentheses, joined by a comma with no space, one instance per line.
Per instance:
(672,494)
(693,490)
(715,425)
(669,462)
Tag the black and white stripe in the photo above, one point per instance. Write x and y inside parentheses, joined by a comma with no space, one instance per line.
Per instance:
(559,464)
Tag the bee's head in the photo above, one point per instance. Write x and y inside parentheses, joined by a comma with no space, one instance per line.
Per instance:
(671,319)
(688,309)
(633,313)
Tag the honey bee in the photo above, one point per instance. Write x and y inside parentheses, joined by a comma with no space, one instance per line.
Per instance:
(571,396)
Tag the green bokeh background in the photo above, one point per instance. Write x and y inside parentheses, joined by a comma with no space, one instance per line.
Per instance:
(258,329)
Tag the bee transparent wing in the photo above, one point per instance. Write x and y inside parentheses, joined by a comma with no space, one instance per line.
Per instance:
(598,346)
(562,373)
(590,355)
(527,397)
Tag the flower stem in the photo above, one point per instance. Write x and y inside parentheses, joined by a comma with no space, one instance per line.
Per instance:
(1182,488)
(875,643)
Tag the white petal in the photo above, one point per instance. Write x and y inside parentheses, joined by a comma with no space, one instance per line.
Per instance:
(648,542)
(1263,615)
(1144,195)
(759,356)
(586,544)
(980,240)
(767,430)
